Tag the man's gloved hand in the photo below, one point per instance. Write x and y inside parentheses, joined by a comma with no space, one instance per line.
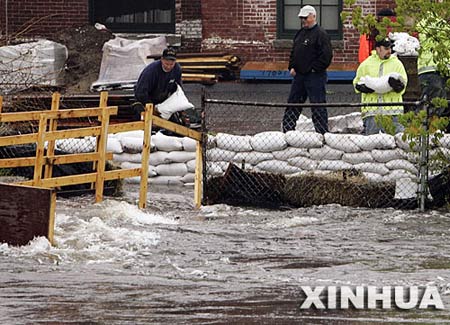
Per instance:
(396,84)
(364,89)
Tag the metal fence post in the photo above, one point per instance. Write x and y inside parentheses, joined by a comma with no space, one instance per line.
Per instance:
(424,141)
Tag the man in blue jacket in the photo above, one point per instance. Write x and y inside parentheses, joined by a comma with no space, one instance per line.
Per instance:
(310,57)
(158,80)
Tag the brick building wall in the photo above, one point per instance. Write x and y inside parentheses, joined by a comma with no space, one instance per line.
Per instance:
(247,28)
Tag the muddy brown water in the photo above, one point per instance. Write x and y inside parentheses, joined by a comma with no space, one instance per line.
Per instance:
(172,264)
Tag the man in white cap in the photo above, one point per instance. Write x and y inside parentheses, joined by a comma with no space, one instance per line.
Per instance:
(310,57)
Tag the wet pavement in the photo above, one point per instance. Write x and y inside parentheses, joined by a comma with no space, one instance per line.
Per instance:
(172,264)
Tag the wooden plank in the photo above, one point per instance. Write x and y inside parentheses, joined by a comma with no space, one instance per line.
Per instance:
(74,133)
(102,103)
(122,173)
(40,151)
(52,127)
(198,75)
(25,213)
(148,115)
(1,104)
(101,150)
(198,176)
(17,162)
(18,139)
(55,160)
(63,180)
(123,127)
(51,219)
(158,121)
(61,114)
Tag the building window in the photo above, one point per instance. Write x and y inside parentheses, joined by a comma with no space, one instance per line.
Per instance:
(328,16)
(156,16)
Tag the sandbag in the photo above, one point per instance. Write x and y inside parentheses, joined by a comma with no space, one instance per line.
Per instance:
(176,169)
(374,141)
(76,145)
(132,145)
(175,103)
(304,139)
(290,152)
(191,165)
(252,157)
(303,163)
(158,158)
(189,144)
(233,142)
(166,180)
(179,156)
(131,157)
(277,167)
(217,154)
(268,141)
(188,178)
(333,165)
(388,155)
(167,143)
(372,168)
(341,142)
(113,145)
(357,157)
(325,153)
(130,165)
(402,164)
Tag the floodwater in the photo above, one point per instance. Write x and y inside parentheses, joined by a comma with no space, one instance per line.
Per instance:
(172,264)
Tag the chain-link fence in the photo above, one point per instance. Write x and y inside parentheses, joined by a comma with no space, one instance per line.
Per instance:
(249,161)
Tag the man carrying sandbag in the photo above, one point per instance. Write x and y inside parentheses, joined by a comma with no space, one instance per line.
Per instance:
(381,78)
(160,83)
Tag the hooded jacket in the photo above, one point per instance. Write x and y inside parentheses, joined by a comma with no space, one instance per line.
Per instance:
(373,66)
(311,50)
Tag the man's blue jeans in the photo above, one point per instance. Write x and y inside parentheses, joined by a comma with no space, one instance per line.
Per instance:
(304,86)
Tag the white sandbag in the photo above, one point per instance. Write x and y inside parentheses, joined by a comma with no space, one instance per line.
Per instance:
(357,157)
(399,173)
(133,180)
(179,156)
(113,145)
(304,139)
(175,103)
(402,164)
(377,168)
(130,134)
(380,84)
(268,141)
(445,141)
(188,178)
(373,177)
(349,123)
(191,165)
(252,157)
(388,155)
(158,157)
(214,169)
(303,163)
(76,145)
(167,143)
(374,141)
(130,165)
(405,188)
(277,167)
(333,165)
(166,180)
(131,157)
(217,154)
(189,144)
(290,152)
(404,144)
(325,153)
(132,145)
(211,142)
(341,142)
(176,169)
(233,142)
(304,124)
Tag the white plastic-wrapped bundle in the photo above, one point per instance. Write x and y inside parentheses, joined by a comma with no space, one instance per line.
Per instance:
(113,145)
(325,152)
(252,157)
(179,156)
(76,145)
(131,157)
(290,152)
(342,142)
(158,157)
(303,163)
(175,169)
(333,165)
(388,155)
(357,157)
(402,164)
(167,143)
(374,141)
(277,167)
(166,180)
(268,141)
(233,142)
(377,168)
(304,139)
(189,144)
(217,154)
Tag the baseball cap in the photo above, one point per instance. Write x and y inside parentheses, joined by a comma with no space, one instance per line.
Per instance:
(169,54)
(386,42)
(306,11)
